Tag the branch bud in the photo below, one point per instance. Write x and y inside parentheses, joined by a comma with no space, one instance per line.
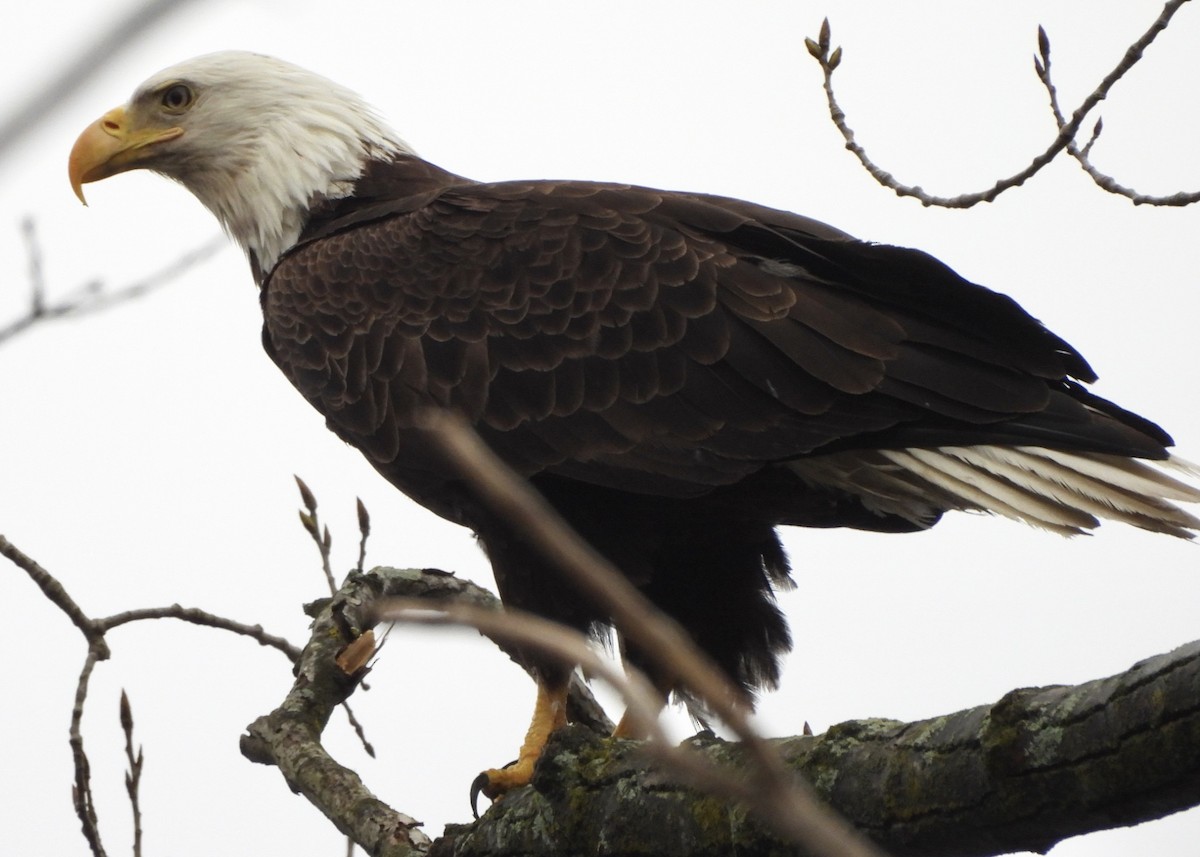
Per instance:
(306,496)
(126,714)
(1043,44)
(364,517)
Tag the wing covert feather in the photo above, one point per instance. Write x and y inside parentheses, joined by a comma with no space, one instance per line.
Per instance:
(595,331)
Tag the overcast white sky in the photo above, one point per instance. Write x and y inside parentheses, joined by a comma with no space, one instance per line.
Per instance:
(146,454)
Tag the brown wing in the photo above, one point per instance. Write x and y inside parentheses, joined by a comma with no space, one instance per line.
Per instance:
(660,343)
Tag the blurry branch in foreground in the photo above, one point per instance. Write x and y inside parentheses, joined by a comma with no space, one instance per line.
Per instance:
(93,296)
(785,803)
(123,31)
(1068,128)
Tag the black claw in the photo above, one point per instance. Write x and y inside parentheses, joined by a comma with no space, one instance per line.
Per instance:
(478,784)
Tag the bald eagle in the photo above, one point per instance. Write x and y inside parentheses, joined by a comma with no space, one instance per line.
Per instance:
(679,374)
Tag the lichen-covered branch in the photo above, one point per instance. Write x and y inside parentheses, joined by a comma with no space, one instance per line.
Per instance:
(290,736)
(1038,766)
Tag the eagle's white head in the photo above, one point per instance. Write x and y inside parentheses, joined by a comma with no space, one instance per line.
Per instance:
(256,139)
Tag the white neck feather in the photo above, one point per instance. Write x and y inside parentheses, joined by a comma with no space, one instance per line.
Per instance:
(264,202)
(310,139)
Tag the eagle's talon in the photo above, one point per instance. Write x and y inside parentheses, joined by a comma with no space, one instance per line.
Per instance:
(495,783)
(479,785)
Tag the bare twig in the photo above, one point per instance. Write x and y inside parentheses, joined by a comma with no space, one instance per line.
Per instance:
(787,804)
(324,542)
(1102,180)
(93,296)
(312,526)
(81,791)
(359,731)
(57,594)
(94,631)
(1068,128)
(133,777)
(200,617)
(364,531)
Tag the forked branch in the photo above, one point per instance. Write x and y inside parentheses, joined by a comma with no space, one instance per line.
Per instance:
(830,59)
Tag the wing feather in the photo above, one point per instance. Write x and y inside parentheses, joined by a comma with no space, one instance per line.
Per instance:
(669,343)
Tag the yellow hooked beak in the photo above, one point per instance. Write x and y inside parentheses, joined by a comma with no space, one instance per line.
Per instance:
(110,146)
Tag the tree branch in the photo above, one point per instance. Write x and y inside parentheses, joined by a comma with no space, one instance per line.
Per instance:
(93,631)
(829,61)
(81,789)
(1103,180)
(1038,766)
(196,616)
(93,296)
(289,737)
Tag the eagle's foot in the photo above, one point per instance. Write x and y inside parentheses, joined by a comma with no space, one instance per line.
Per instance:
(549,713)
(495,783)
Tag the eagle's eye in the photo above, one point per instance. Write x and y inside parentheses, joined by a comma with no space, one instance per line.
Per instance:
(177,98)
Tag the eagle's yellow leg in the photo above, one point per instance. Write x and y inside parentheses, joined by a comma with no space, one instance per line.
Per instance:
(549,713)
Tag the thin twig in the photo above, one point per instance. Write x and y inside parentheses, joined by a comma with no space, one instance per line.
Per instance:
(364,531)
(1068,129)
(81,792)
(133,777)
(312,525)
(94,630)
(200,617)
(57,594)
(93,296)
(368,747)
(1102,180)
(324,542)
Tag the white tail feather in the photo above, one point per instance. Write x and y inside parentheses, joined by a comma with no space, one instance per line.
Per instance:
(1066,492)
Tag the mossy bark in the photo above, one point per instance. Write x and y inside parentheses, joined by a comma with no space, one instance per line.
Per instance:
(1038,766)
